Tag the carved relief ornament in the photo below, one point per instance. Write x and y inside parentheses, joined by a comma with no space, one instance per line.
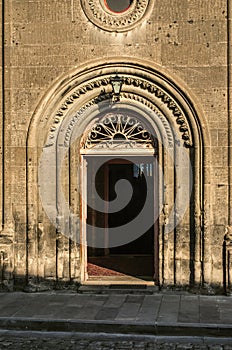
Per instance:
(98,13)
(118,131)
(139,83)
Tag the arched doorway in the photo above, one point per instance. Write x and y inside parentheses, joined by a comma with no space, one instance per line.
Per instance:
(121,243)
(55,217)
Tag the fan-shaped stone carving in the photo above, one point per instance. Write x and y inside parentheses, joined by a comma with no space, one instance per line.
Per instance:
(118,131)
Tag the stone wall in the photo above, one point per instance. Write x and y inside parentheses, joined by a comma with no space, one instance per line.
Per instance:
(45,41)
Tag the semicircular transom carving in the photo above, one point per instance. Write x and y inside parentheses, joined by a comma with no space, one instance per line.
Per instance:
(118,131)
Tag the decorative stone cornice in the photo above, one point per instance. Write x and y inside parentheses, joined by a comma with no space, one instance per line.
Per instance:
(98,13)
(152,89)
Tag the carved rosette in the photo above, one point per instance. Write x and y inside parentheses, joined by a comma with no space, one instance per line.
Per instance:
(98,13)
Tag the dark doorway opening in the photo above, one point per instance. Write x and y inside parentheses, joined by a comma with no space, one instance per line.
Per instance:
(135,258)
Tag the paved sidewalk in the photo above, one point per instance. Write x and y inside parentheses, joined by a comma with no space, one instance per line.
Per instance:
(170,314)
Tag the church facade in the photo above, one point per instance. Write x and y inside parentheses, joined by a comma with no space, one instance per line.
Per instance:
(116,144)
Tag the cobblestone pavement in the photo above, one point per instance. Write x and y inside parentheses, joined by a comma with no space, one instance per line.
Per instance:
(59,341)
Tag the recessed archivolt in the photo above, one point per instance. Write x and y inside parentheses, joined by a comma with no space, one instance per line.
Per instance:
(126,98)
(157,113)
(155,92)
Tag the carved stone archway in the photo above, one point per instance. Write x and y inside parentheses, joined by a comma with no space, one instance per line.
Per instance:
(68,110)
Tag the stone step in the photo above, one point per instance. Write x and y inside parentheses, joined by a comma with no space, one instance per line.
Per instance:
(118,289)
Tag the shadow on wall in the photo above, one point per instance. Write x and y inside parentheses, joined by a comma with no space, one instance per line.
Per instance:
(10,282)
(227,262)
(35,284)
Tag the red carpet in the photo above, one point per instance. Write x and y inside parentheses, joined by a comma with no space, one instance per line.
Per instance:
(121,265)
(95,270)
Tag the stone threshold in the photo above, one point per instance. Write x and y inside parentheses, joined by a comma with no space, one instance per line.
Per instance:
(113,288)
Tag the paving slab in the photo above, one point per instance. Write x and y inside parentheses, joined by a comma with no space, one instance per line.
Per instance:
(115,300)
(128,311)
(107,313)
(189,309)
(169,309)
